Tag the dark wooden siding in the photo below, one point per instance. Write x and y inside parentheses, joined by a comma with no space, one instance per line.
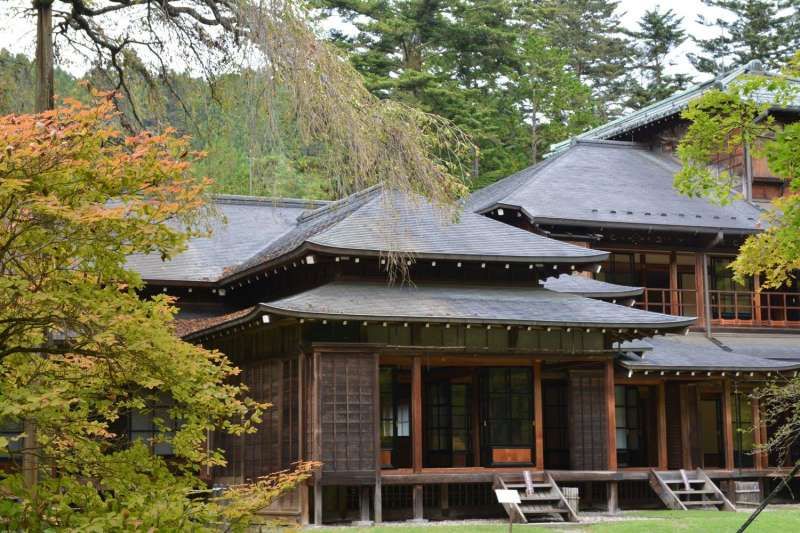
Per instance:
(587,420)
(348,399)
(275,446)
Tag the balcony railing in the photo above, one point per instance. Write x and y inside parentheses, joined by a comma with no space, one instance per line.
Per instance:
(746,308)
(682,302)
(728,308)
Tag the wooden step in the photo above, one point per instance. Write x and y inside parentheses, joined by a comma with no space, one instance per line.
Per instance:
(528,509)
(695,491)
(702,503)
(680,481)
(540,498)
(524,486)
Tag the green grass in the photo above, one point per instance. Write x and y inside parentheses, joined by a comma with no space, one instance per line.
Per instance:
(777,521)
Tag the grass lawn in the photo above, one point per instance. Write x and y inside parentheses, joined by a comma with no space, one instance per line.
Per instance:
(774,521)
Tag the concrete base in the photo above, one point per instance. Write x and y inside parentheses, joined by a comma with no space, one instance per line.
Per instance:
(362,523)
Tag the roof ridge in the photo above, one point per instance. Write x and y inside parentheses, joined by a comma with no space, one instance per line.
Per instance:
(352,198)
(241,199)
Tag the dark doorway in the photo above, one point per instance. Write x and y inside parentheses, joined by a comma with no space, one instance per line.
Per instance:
(711,431)
(395,387)
(556,429)
(448,417)
(506,416)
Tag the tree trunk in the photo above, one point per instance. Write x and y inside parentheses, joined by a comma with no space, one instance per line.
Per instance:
(44,101)
(44,55)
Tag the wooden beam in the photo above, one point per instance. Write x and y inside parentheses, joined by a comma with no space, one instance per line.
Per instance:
(416,415)
(727,421)
(611,415)
(538,414)
(663,463)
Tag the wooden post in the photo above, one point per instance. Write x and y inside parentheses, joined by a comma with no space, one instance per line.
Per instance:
(416,415)
(757,300)
(538,415)
(674,303)
(699,285)
(663,462)
(417,503)
(317,502)
(363,497)
(378,502)
(476,419)
(727,421)
(444,499)
(758,458)
(316,440)
(613,497)
(44,55)
(611,415)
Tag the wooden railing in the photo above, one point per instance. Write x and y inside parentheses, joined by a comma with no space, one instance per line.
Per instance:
(681,302)
(748,308)
(728,308)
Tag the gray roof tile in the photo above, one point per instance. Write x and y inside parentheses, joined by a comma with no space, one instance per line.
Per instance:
(591,288)
(252,225)
(460,304)
(612,184)
(693,352)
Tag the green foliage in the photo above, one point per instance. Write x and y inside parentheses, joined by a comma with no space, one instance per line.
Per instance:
(485,66)
(766,30)
(724,122)
(659,33)
(80,349)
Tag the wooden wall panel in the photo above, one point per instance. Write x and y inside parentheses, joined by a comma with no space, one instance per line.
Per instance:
(587,420)
(348,397)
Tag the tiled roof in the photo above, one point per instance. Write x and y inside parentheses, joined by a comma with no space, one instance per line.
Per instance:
(612,184)
(373,221)
(187,323)
(693,352)
(591,288)
(667,107)
(252,225)
(764,344)
(466,304)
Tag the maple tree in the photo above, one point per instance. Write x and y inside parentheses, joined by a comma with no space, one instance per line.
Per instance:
(80,349)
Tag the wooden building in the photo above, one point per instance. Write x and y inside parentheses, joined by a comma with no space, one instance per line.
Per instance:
(576,322)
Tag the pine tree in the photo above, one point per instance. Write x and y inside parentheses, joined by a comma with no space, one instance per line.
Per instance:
(659,33)
(753,29)
(591,32)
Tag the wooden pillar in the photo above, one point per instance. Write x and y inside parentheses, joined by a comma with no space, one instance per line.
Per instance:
(538,415)
(417,503)
(663,463)
(317,502)
(611,415)
(699,285)
(758,458)
(378,502)
(444,499)
(727,421)
(686,431)
(613,497)
(416,415)
(316,440)
(757,300)
(302,492)
(476,419)
(674,295)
